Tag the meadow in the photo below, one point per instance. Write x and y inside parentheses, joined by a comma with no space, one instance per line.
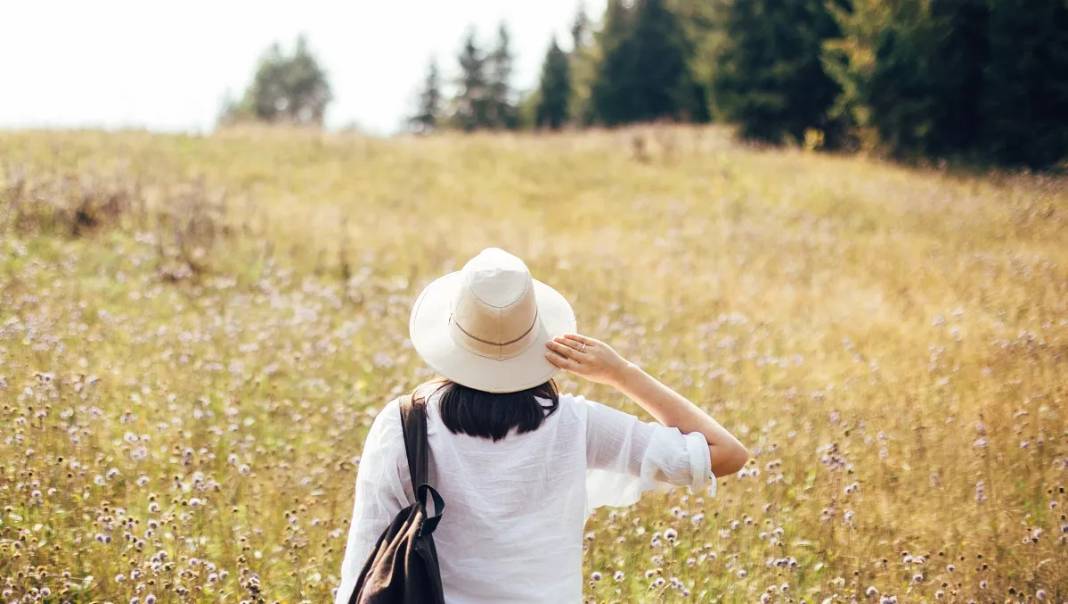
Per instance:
(196,332)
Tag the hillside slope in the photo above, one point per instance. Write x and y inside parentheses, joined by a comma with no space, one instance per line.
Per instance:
(196,332)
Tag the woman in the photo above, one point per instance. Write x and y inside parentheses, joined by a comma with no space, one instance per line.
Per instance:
(520,465)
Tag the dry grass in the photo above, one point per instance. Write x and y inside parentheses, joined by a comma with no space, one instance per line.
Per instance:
(189,365)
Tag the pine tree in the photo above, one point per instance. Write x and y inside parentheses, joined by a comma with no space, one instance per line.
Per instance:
(609,102)
(978,79)
(902,93)
(554,90)
(645,71)
(1025,103)
(472,103)
(583,60)
(771,78)
(662,55)
(580,27)
(962,53)
(429,113)
(502,104)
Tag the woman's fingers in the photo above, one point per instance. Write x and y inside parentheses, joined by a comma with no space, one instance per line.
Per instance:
(577,337)
(562,349)
(559,360)
(575,345)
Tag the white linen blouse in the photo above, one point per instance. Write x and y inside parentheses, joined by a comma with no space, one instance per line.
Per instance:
(515,509)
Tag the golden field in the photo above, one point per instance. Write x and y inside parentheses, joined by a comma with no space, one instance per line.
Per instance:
(196,332)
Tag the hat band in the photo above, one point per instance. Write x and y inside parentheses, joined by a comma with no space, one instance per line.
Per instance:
(488,348)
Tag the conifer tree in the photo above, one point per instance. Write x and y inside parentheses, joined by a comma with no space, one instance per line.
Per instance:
(1025,103)
(645,71)
(502,103)
(472,109)
(662,54)
(428,116)
(554,90)
(612,80)
(961,28)
(771,78)
(583,59)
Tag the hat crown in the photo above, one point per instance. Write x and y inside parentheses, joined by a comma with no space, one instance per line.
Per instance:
(495,313)
(496,277)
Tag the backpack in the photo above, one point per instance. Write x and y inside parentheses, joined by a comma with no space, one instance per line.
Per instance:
(403,566)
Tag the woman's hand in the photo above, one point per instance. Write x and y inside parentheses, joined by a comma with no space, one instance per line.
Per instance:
(587,357)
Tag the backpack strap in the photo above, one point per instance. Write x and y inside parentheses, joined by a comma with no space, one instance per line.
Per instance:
(413,419)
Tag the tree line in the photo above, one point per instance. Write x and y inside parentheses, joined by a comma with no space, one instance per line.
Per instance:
(975,80)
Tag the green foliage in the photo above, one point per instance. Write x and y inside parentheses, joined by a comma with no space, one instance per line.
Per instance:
(486,99)
(471,106)
(705,24)
(584,58)
(645,72)
(286,88)
(982,79)
(1025,101)
(770,77)
(962,48)
(979,80)
(430,99)
(908,75)
(554,91)
(502,103)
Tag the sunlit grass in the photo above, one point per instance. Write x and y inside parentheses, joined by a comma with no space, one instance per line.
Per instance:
(184,401)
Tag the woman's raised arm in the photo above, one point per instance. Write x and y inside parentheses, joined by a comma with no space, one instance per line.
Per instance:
(596,361)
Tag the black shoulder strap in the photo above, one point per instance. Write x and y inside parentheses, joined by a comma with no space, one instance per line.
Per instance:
(413,418)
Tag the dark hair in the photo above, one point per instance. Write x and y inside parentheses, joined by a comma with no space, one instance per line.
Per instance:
(465,410)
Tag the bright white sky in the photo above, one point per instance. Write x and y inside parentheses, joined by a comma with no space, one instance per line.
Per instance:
(168,65)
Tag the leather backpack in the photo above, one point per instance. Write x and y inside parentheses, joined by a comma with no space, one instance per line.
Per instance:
(403,566)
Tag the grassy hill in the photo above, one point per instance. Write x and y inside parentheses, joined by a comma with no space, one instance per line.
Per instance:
(196,332)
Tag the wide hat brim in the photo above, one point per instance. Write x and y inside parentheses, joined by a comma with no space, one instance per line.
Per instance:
(428,329)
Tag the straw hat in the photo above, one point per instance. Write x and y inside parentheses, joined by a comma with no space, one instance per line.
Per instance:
(485,326)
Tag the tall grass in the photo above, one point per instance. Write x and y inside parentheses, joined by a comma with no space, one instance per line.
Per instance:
(196,332)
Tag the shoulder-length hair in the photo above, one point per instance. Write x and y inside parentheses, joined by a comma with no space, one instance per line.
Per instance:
(465,410)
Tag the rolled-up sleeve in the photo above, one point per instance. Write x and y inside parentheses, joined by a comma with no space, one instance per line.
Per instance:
(626,456)
(382,490)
